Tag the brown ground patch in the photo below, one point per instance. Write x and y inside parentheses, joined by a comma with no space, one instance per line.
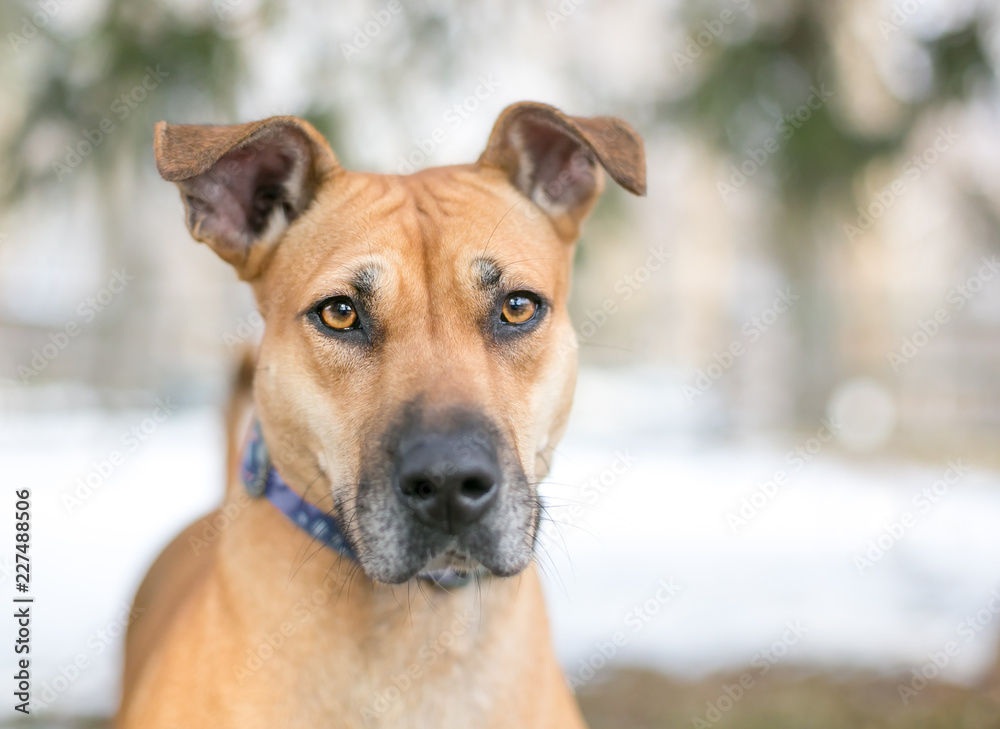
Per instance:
(790,699)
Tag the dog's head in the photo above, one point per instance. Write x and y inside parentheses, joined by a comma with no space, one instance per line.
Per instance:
(417,362)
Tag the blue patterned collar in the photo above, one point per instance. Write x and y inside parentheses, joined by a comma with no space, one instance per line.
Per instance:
(261,479)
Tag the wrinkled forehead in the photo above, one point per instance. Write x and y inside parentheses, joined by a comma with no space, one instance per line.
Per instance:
(436,230)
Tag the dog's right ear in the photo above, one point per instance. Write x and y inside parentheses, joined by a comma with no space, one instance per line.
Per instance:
(243,185)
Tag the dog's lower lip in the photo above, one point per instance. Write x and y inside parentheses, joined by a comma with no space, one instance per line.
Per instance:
(443,575)
(450,567)
(451,578)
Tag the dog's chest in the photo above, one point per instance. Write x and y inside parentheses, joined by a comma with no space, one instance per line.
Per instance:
(439,669)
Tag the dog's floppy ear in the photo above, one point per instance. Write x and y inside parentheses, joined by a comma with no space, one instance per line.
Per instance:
(555,159)
(242,185)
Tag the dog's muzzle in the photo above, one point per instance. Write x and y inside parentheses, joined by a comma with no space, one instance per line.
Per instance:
(448,481)
(443,491)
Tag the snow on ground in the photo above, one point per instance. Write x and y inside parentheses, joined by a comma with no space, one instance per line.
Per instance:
(643,566)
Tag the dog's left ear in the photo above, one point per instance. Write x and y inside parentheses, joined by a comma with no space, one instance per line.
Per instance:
(243,185)
(555,159)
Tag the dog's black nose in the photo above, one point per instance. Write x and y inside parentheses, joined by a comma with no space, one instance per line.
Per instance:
(448,481)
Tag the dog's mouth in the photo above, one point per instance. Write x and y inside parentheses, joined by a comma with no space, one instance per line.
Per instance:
(453,559)
(393,547)
(452,568)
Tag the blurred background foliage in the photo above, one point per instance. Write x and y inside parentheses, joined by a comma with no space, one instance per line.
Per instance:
(729,95)
(750,85)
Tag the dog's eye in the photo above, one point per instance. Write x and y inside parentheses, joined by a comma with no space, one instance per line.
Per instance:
(339,314)
(519,307)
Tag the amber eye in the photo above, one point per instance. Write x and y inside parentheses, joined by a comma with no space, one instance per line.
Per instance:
(339,314)
(519,308)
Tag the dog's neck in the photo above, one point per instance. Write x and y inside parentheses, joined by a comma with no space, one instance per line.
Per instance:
(306,606)
(315,626)
(261,480)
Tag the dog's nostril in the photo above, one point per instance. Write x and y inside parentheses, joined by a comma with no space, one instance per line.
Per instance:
(419,488)
(475,487)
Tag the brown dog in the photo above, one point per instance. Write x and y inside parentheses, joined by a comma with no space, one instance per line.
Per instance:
(415,374)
